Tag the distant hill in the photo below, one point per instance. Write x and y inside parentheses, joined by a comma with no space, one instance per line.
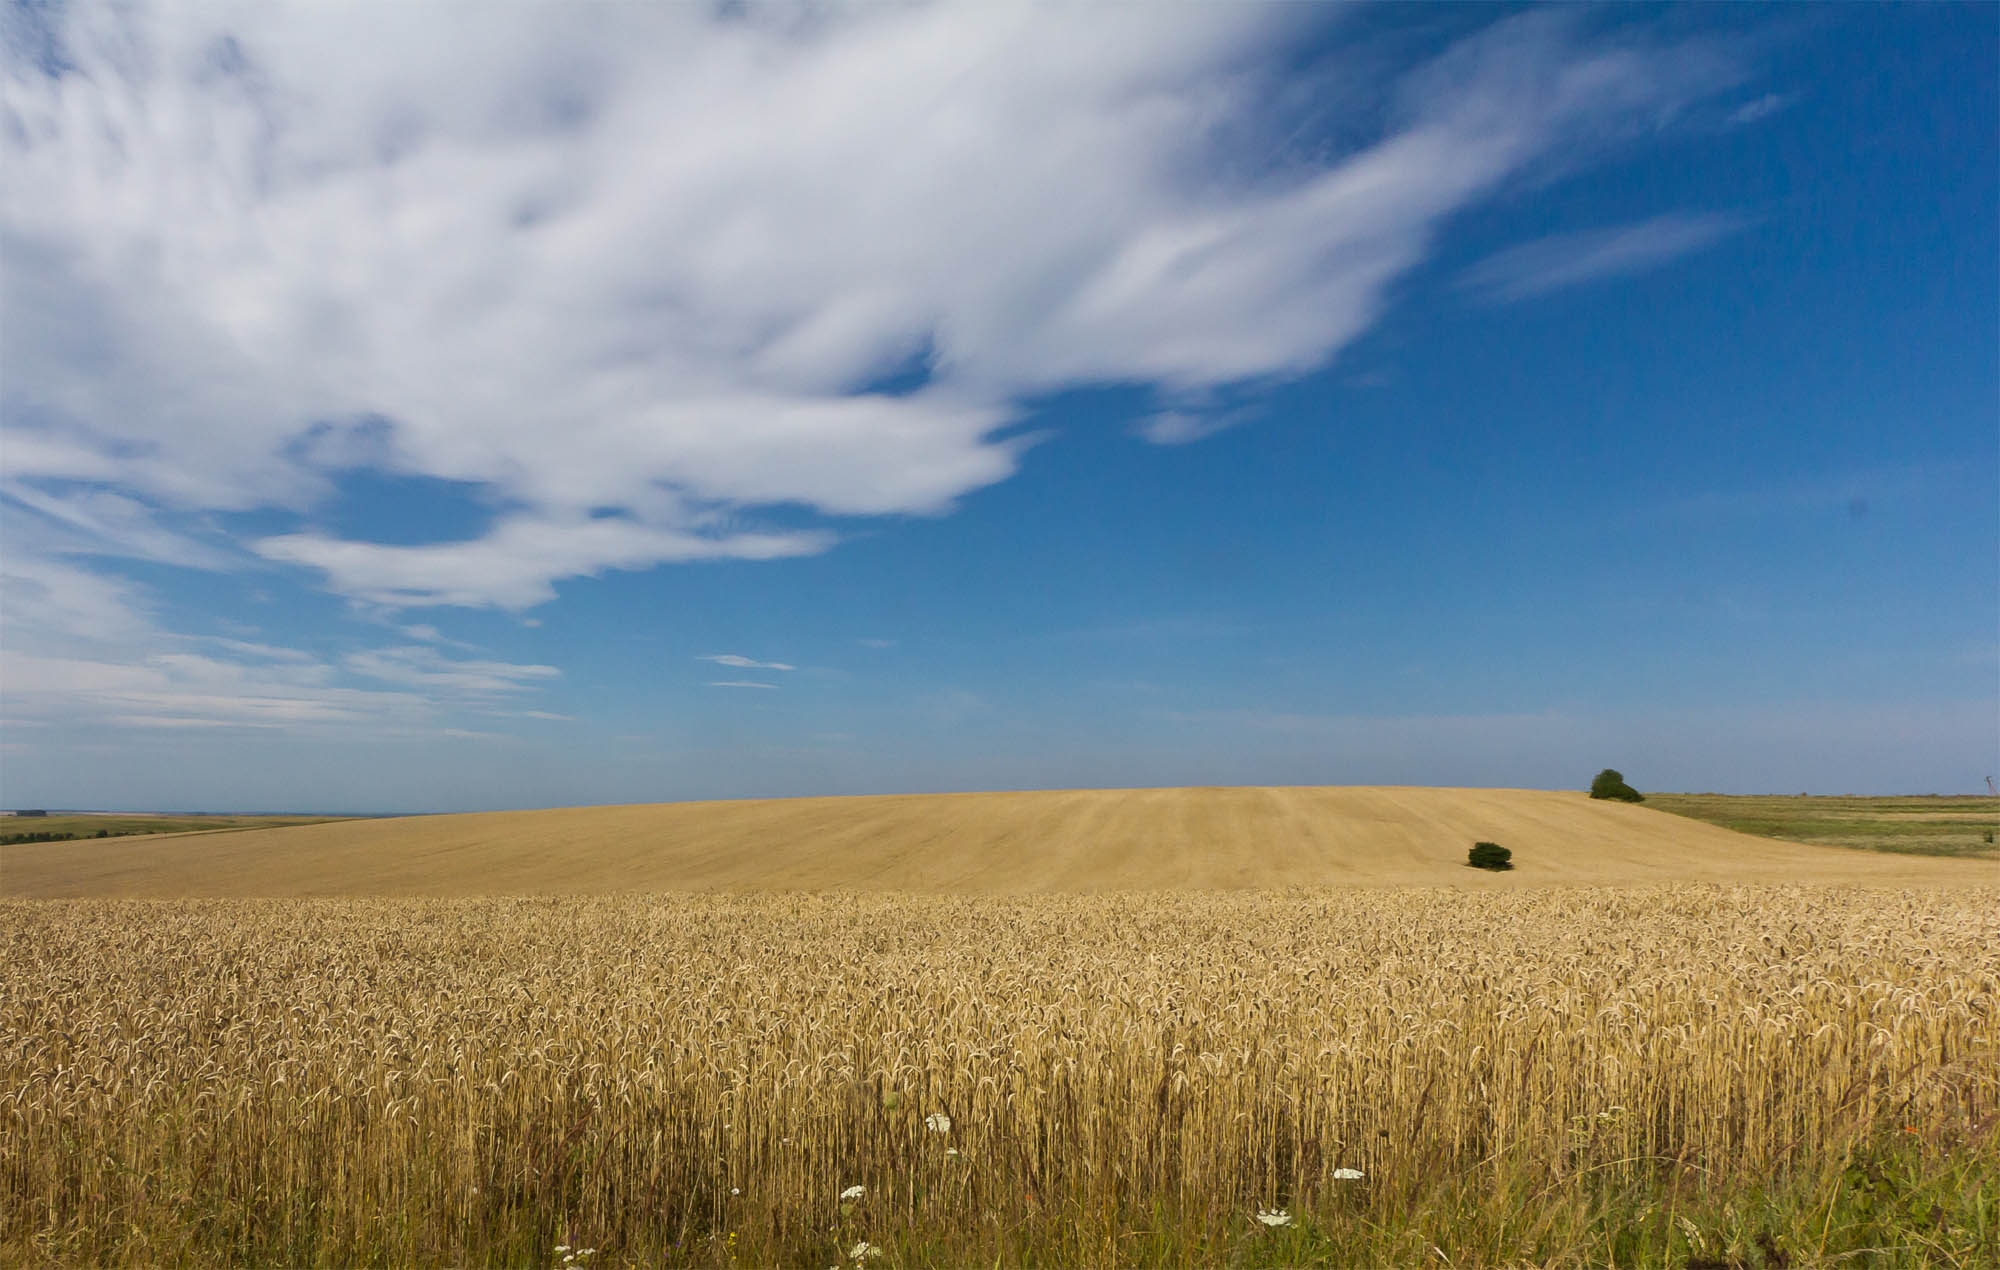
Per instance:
(1068,840)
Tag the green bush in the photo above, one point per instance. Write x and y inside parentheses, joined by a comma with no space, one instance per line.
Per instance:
(1489,855)
(1610,783)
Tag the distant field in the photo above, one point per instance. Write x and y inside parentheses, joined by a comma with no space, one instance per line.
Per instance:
(117,825)
(1051,841)
(1916,825)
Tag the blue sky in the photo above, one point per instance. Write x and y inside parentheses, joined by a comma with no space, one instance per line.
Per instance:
(628,403)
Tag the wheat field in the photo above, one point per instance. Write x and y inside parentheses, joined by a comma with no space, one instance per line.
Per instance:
(1391,1076)
(1253,1027)
(1036,842)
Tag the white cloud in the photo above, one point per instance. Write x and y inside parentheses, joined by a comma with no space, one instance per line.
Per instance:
(189,690)
(739,683)
(647,260)
(1569,260)
(99,521)
(1182,427)
(514,565)
(261,652)
(293,692)
(744,663)
(424,668)
(1762,107)
(81,650)
(76,605)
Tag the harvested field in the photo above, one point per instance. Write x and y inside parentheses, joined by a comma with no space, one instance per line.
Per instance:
(1082,840)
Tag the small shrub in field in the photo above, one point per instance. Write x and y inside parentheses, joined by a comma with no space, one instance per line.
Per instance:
(1610,783)
(1489,855)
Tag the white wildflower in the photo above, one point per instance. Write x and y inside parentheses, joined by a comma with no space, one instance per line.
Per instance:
(734,1191)
(951,1153)
(562,1247)
(1274,1217)
(1347,1175)
(852,1193)
(1693,1233)
(864,1250)
(938,1122)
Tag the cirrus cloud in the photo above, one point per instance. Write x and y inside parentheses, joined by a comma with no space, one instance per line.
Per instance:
(1573,259)
(740,662)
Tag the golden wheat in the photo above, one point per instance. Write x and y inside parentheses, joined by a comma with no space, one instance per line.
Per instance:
(703,1078)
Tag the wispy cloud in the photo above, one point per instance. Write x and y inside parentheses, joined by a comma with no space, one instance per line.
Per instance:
(515,564)
(739,662)
(739,683)
(262,652)
(1182,427)
(1574,259)
(591,267)
(82,650)
(1762,107)
(423,667)
(192,690)
(95,521)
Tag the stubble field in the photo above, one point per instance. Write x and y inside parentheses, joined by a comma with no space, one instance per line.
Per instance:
(1494,1073)
(1059,841)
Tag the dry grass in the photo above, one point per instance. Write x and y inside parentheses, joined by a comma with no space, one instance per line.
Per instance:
(1063,841)
(1128,1078)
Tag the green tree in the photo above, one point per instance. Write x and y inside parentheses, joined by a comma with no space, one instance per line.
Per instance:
(1610,783)
(1489,855)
